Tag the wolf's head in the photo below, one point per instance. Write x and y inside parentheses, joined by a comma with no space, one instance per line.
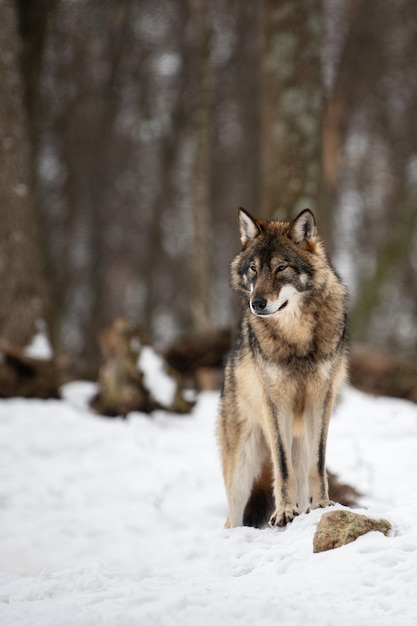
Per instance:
(276,264)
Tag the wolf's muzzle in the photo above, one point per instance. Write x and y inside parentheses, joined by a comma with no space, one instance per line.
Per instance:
(258,305)
(261,307)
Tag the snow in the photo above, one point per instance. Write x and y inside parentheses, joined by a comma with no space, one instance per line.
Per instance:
(160,384)
(120,522)
(39,347)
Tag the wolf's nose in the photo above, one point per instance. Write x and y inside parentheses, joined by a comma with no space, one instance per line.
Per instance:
(259,304)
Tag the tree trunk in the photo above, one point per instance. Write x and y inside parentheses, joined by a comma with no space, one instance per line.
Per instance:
(23,286)
(201,270)
(292,106)
(335,118)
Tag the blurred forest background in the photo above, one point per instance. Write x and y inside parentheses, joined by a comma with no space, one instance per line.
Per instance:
(132,130)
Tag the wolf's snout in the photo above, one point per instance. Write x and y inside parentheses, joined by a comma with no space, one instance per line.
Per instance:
(258,305)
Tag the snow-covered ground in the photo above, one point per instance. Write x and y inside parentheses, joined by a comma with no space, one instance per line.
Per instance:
(111,522)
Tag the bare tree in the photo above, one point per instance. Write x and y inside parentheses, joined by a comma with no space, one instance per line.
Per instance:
(154,121)
(23,294)
(370,171)
(292,106)
(201,273)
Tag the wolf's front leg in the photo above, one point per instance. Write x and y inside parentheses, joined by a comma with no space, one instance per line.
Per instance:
(241,471)
(285,483)
(285,490)
(318,485)
(283,515)
(319,490)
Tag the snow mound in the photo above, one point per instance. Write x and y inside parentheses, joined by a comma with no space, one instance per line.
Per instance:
(109,522)
(39,347)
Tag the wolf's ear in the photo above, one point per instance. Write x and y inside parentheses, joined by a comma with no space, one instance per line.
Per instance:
(303,228)
(249,227)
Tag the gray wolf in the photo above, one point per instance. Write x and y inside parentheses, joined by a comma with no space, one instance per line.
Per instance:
(283,374)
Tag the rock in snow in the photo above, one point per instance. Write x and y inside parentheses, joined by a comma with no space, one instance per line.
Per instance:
(337,528)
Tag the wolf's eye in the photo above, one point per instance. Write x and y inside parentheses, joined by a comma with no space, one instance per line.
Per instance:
(281,268)
(252,268)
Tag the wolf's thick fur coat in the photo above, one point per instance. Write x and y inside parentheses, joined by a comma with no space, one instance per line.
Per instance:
(283,374)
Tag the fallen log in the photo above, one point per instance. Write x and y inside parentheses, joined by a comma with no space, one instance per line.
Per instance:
(120,383)
(25,376)
(194,351)
(383,374)
(199,360)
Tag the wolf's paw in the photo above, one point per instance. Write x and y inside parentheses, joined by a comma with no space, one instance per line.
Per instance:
(321,504)
(282,517)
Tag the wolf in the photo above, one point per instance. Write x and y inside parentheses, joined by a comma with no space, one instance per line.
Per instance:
(283,374)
